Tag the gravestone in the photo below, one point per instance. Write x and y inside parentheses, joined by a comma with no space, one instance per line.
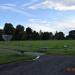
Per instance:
(7,37)
(20,52)
(43,49)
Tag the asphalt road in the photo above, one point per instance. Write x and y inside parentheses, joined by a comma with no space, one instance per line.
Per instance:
(45,65)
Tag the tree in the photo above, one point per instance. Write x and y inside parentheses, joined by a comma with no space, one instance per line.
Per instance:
(59,36)
(67,37)
(1,32)
(28,33)
(50,35)
(45,36)
(40,34)
(71,34)
(28,30)
(35,35)
(19,32)
(56,35)
(8,29)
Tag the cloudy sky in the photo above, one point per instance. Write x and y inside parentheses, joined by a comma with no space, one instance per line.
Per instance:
(45,15)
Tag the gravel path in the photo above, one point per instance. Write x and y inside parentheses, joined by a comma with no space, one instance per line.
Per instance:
(46,65)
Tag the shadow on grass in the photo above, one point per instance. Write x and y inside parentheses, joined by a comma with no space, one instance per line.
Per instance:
(8,58)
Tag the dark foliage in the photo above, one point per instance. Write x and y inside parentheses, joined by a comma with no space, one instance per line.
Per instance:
(71,35)
(59,36)
(19,33)
(8,28)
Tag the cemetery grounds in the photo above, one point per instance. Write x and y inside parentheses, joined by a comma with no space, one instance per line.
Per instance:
(9,49)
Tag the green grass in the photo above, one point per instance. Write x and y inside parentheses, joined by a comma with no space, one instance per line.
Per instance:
(55,47)
(10,57)
(36,44)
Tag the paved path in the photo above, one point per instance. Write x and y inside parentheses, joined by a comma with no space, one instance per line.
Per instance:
(46,65)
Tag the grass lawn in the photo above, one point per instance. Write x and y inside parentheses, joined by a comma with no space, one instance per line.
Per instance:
(55,47)
(10,57)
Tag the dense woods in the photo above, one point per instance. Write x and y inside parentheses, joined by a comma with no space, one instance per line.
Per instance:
(21,33)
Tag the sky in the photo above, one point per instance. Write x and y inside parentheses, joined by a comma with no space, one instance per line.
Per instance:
(45,15)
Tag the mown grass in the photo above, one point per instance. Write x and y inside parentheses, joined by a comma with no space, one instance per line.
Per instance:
(54,44)
(10,57)
(55,47)
(35,45)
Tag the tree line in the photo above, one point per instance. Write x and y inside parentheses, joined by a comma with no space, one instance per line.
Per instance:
(20,33)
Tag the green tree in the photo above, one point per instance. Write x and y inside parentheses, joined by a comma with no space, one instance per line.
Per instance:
(59,36)
(28,33)
(19,32)
(71,34)
(35,35)
(8,29)
(1,32)
(50,35)
(45,36)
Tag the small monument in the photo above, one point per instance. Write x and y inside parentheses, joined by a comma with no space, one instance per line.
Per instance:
(7,37)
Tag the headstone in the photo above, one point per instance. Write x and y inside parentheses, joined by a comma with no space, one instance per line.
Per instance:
(20,52)
(65,46)
(7,37)
(43,49)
